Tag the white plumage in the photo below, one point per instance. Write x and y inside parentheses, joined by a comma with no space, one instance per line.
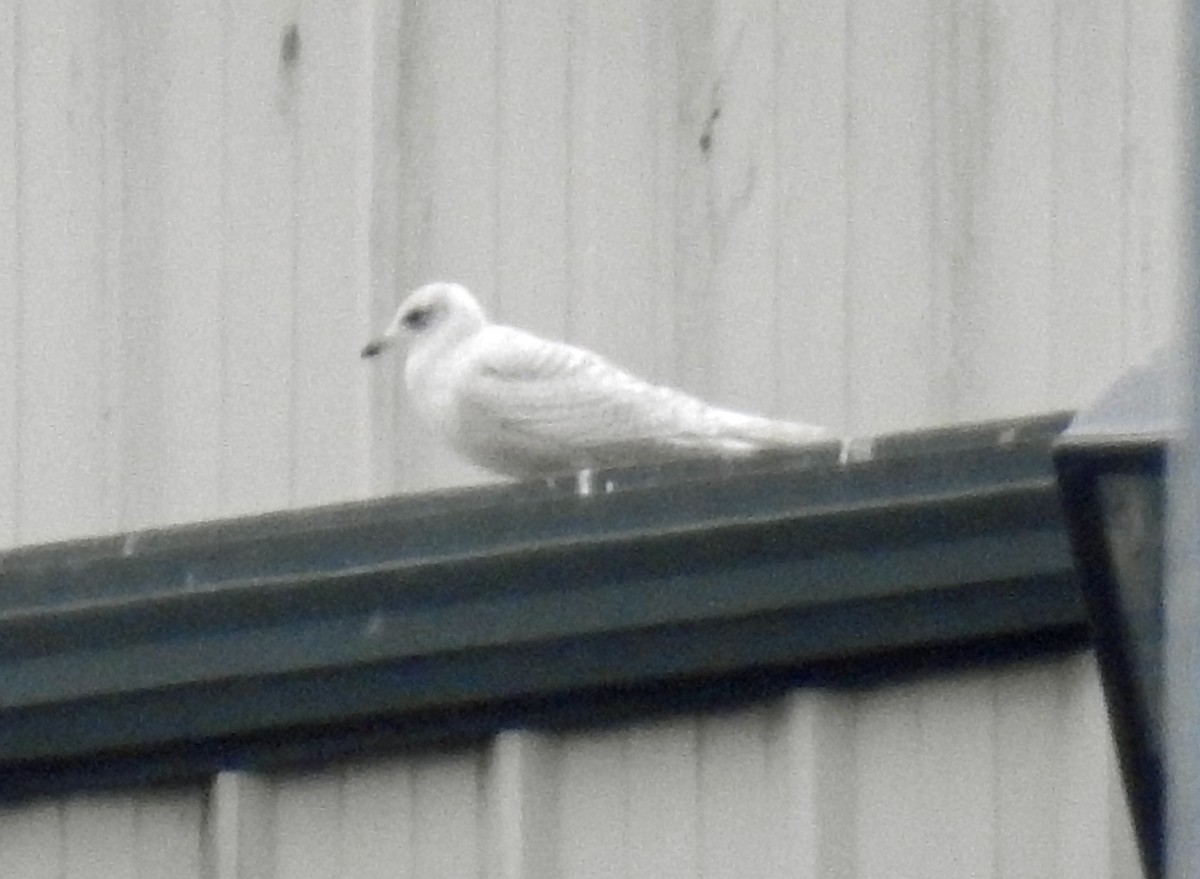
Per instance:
(528,407)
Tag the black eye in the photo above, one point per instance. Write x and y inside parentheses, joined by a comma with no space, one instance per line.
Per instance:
(418,318)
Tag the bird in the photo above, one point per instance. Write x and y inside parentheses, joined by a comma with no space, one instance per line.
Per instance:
(527,407)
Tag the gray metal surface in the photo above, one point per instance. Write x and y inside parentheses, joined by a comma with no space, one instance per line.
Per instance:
(425,617)
(1139,407)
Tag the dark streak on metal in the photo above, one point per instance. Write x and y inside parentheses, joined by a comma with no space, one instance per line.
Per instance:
(707,136)
(289,46)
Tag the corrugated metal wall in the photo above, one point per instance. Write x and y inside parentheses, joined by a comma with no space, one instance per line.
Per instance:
(139,835)
(872,215)
(993,774)
(184,260)
(876,215)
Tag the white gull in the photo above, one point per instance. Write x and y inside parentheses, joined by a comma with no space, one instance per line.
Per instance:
(528,407)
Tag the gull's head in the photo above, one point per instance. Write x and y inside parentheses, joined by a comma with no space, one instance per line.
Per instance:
(444,311)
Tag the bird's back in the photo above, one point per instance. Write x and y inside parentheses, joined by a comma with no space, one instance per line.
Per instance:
(527,407)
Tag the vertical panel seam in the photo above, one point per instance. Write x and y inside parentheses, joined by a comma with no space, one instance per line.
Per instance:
(1053,387)
(664,356)
(1128,167)
(626,804)
(302,69)
(850,404)
(498,139)
(112,359)
(778,332)
(572,151)
(994,753)
(60,816)
(17,331)
(339,853)
(223,271)
(115,121)
(108,335)
(936,390)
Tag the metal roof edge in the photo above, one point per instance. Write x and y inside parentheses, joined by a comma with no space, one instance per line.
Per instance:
(420,609)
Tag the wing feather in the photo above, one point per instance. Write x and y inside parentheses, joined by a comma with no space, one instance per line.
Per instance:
(528,405)
(553,401)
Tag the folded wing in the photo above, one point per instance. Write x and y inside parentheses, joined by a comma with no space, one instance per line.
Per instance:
(528,406)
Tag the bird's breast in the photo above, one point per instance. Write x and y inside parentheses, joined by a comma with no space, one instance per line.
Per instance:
(432,388)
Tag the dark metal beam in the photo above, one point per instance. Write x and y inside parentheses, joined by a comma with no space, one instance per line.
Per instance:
(418,609)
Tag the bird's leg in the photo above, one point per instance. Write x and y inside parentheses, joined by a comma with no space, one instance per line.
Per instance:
(583,482)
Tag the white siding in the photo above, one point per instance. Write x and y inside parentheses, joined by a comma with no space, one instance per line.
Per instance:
(872,215)
(420,816)
(875,216)
(148,833)
(192,260)
(993,774)
(64,376)
(998,773)
(184,261)
(9,260)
